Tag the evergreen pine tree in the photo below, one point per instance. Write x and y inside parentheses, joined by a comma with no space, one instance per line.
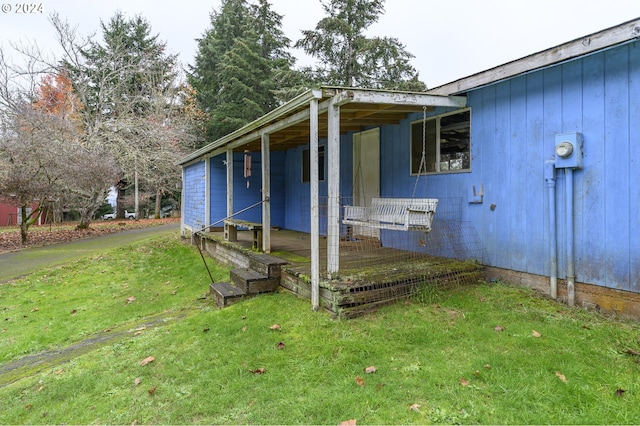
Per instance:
(348,58)
(242,61)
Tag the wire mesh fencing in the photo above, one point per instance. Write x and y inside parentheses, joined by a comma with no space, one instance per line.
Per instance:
(370,244)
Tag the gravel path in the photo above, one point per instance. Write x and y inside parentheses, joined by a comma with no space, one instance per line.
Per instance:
(20,263)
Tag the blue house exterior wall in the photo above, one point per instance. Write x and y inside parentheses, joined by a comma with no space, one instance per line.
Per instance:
(513,131)
(246,195)
(194,200)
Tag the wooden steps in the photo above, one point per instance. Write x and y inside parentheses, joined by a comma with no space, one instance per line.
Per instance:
(262,276)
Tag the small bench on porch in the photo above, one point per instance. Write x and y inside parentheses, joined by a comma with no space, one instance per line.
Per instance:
(400,214)
(231,231)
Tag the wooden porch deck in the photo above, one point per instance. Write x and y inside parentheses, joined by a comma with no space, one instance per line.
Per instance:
(370,275)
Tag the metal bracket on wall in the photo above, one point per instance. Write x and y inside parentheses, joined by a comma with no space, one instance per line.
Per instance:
(476,195)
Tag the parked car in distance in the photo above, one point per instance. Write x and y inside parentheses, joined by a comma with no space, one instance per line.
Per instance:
(166,211)
(127,215)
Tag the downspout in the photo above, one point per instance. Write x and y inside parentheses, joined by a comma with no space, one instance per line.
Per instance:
(569,218)
(550,178)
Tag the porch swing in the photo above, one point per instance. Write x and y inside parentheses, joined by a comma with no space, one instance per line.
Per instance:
(398,214)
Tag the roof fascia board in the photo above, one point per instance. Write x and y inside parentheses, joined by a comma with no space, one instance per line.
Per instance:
(296,118)
(398,98)
(589,44)
(292,105)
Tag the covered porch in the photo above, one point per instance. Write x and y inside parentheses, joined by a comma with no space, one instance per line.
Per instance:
(328,113)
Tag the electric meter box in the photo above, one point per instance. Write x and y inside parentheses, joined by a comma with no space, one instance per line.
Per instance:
(568,151)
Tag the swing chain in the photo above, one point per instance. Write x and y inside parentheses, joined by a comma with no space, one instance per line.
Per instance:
(423,159)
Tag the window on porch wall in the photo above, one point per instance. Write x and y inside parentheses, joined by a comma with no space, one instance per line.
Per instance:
(306,164)
(447,143)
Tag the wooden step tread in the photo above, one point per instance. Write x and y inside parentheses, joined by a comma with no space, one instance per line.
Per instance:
(226,289)
(248,275)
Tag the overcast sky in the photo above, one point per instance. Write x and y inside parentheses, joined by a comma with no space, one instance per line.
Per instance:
(450,39)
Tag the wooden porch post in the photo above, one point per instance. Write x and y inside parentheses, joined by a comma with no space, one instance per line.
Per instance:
(315,211)
(333,207)
(183,226)
(266,194)
(207,192)
(229,182)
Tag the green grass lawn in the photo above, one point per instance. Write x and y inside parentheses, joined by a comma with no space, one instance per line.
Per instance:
(482,354)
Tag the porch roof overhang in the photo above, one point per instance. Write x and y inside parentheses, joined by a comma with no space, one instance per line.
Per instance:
(289,126)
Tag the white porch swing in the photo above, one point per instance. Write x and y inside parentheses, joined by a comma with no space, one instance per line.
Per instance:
(399,214)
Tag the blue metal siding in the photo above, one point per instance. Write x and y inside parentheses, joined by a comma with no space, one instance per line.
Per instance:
(617,174)
(513,128)
(194,195)
(634,167)
(218,188)
(245,196)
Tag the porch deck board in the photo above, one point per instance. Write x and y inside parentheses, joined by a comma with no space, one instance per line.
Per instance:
(391,274)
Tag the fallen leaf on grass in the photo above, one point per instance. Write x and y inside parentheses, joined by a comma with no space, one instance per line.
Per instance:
(370,370)
(260,370)
(147,360)
(464,382)
(275,327)
(359,381)
(73,312)
(36,309)
(351,422)
(415,407)
(130,300)
(561,376)
(280,345)
(487,366)
(152,390)
(632,352)
(244,328)
(137,381)
(535,333)
(59,372)
(499,328)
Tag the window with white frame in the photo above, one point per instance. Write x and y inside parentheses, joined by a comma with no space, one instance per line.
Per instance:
(441,144)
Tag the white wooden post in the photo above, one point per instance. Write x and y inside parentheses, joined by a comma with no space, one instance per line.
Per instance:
(183,226)
(207,192)
(315,210)
(333,207)
(266,194)
(229,182)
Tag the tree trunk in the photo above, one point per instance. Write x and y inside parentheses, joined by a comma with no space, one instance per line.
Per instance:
(28,219)
(24,224)
(159,194)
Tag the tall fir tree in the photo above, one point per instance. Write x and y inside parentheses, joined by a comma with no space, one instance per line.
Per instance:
(346,57)
(242,61)
(128,67)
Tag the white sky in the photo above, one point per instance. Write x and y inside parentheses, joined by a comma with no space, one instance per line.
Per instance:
(450,39)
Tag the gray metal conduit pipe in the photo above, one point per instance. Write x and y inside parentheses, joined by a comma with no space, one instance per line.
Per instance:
(550,178)
(571,276)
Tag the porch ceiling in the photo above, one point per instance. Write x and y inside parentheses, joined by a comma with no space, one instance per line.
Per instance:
(353,117)
(288,126)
